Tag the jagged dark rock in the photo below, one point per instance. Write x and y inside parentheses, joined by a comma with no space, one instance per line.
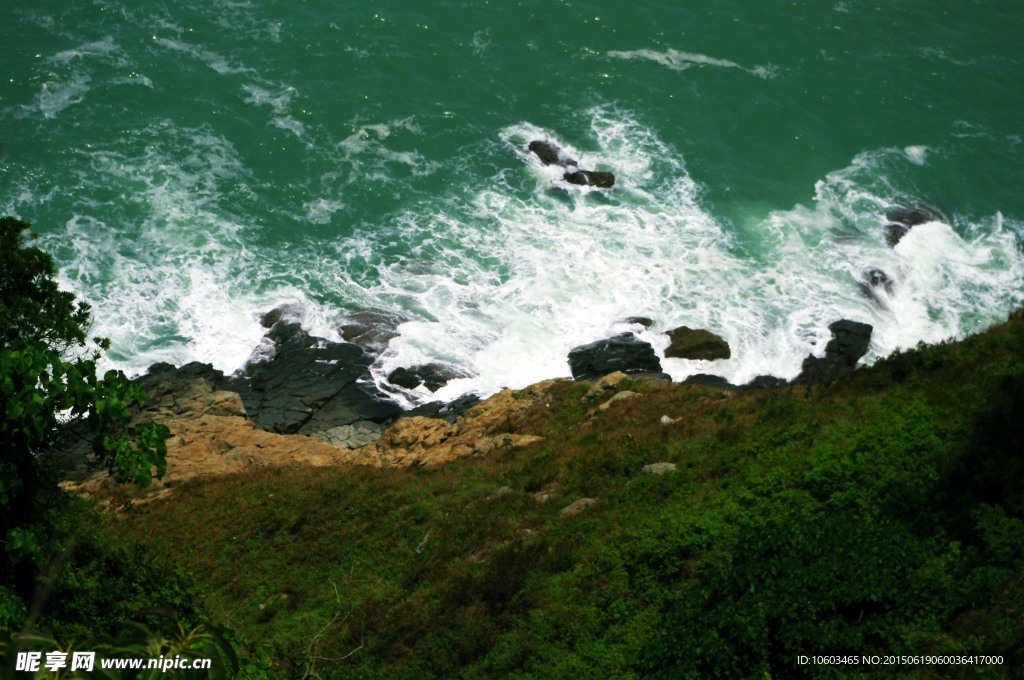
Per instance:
(166,376)
(371,329)
(624,352)
(894,233)
(850,341)
(901,219)
(549,153)
(431,376)
(690,343)
(590,178)
(639,321)
(290,312)
(449,411)
(310,385)
(913,216)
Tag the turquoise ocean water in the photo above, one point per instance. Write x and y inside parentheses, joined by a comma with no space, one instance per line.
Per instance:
(194,164)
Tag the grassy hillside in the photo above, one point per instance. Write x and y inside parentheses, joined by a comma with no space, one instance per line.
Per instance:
(880,515)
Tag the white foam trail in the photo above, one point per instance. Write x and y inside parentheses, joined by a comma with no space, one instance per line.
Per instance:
(280,104)
(55,96)
(217,62)
(680,61)
(105,49)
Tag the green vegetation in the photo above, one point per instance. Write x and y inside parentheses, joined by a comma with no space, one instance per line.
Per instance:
(63,580)
(880,515)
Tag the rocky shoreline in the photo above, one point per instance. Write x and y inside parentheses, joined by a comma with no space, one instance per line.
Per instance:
(307,401)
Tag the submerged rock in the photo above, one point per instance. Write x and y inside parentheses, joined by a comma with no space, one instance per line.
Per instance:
(288,312)
(431,376)
(549,153)
(371,329)
(901,220)
(644,321)
(690,343)
(590,178)
(624,352)
(913,216)
(876,286)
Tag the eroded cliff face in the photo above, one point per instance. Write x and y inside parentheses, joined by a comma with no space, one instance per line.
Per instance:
(212,436)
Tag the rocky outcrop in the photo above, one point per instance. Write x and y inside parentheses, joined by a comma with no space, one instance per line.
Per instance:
(590,178)
(210,436)
(696,343)
(550,153)
(431,376)
(491,425)
(902,219)
(310,385)
(850,341)
(371,329)
(288,312)
(659,468)
(624,352)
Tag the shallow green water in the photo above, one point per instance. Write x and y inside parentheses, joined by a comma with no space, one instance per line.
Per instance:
(194,165)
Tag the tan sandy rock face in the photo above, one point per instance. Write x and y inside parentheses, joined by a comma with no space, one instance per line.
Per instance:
(488,426)
(210,436)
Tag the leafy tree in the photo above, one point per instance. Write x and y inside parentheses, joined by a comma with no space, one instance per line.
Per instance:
(48,383)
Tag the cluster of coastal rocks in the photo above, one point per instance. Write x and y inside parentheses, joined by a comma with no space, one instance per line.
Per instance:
(627,353)
(305,401)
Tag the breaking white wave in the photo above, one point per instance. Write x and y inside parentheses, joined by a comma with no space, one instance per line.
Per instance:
(502,286)
(680,61)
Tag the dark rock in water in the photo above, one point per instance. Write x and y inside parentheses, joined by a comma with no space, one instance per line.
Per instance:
(850,340)
(639,321)
(590,178)
(372,330)
(894,233)
(549,153)
(875,283)
(913,216)
(689,343)
(310,385)
(902,219)
(290,311)
(431,376)
(623,352)
(707,380)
